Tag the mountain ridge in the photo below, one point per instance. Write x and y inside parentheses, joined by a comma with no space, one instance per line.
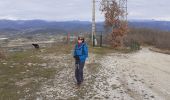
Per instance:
(54,27)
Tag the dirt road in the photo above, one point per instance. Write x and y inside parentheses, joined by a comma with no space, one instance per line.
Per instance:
(143,75)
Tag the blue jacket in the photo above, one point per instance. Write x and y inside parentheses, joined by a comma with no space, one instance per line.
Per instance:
(81,51)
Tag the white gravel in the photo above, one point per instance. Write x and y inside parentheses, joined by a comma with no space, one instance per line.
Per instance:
(143,75)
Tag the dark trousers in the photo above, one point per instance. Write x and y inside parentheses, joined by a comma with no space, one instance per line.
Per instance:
(79,71)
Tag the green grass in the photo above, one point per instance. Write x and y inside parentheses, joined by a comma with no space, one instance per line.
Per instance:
(106,50)
(15,69)
(59,49)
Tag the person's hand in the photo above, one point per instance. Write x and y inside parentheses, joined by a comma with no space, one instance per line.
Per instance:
(77,57)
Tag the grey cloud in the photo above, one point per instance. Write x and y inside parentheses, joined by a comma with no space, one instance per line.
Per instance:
(78,9)
(149,9)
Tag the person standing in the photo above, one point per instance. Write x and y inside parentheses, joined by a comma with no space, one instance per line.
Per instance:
(80,55)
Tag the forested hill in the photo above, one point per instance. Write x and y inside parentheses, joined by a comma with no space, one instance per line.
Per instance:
(53,27)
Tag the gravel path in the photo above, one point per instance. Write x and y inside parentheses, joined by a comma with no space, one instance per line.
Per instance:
(142,75)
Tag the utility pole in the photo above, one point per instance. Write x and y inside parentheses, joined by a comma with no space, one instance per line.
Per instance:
(93,22)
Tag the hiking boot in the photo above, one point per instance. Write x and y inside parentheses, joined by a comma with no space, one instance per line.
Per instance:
(78,83)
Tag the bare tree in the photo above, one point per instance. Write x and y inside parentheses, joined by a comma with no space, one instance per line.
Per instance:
(114,19)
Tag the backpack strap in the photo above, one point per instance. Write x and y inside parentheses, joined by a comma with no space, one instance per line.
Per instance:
(83,49)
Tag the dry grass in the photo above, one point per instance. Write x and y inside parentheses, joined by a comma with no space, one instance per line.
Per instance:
(160,50)
(108,49)
(2,54)
(22,73)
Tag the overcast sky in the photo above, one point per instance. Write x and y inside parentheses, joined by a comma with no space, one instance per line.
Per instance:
(63,10)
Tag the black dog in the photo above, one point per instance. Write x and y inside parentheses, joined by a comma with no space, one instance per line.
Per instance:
(36,46)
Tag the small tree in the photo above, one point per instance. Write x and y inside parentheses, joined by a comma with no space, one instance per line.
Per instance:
(113,19)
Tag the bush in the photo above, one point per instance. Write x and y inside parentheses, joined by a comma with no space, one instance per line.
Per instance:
(157,38)
(133,44)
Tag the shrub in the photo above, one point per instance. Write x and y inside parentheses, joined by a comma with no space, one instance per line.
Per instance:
(160,39)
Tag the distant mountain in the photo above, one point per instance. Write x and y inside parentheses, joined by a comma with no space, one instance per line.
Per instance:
(52,27)
(40,24)
(160,25)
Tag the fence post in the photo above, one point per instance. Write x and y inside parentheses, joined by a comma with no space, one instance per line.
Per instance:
(68,38)
(101,39)
(93,41)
